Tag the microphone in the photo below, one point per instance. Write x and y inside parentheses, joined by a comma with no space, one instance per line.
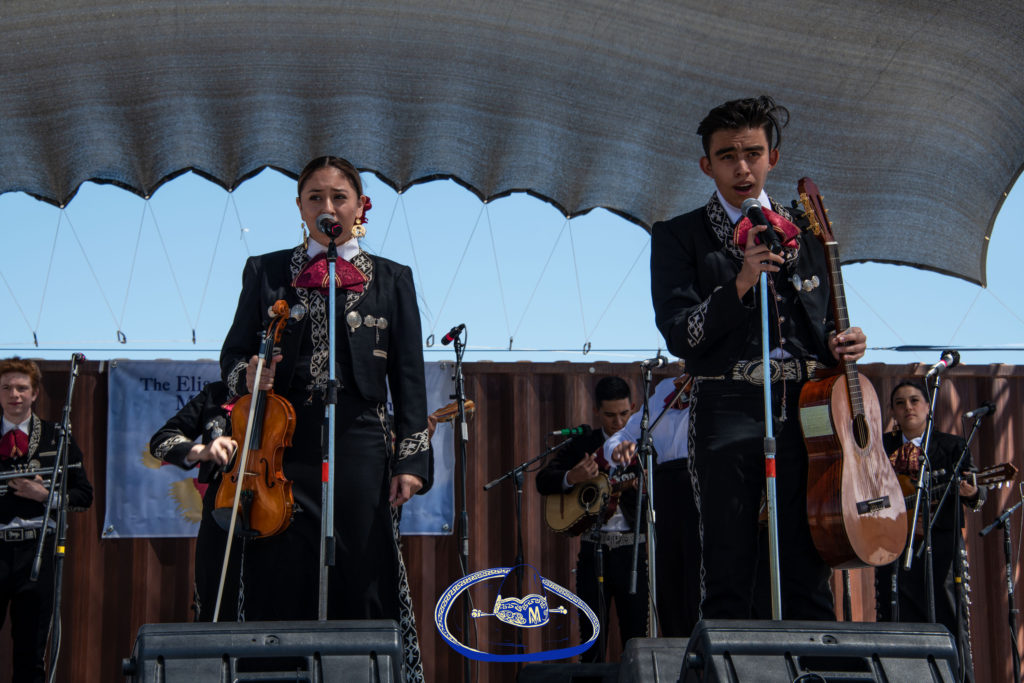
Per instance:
(984,409)
(582,430)
(949,360)
(656,362)
(452,334)
(328,226)
(751,208)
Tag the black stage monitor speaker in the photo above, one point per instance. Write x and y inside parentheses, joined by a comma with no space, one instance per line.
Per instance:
(837,652)
(652,660)
(268,652)
(569,673)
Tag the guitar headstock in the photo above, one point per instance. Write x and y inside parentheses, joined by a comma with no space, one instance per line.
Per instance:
(996,476)
(814,209)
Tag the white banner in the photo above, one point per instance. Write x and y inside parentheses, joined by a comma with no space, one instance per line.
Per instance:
(146,498)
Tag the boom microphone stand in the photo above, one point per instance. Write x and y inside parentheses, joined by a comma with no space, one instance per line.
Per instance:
(1004,522)
(516,474)
(645,453)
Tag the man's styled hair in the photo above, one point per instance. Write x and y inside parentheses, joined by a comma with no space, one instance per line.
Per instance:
(25,367)
(610,389)
(752,112)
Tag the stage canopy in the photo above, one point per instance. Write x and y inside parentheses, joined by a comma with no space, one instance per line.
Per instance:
(907,114)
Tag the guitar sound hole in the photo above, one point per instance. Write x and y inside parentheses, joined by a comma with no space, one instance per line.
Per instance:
(860,431)
(588,496)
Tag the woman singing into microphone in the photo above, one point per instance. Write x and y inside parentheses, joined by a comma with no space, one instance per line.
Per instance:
(377,347)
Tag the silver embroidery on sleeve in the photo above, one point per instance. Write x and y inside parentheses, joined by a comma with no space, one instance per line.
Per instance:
(236,380)
(695,324)
(167,444)
(413,444)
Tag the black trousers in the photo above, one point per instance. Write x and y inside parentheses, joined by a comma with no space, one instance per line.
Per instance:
(677,552)
(728,467)
(281,573)
(29,604)
(631,609)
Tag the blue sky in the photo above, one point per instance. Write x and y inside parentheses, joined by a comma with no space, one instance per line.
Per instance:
(156,270)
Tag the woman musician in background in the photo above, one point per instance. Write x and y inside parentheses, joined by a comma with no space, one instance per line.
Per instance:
(909,405)
(378,347)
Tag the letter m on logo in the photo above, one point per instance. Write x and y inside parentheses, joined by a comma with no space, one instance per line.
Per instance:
(533,615)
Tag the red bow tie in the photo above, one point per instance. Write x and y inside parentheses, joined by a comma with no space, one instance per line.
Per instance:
(787,231)
(315,275)
(14,444)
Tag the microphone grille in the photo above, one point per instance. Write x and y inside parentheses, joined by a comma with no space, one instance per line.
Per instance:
(748,204)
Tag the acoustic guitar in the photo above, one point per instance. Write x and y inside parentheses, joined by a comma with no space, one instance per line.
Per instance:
(577,510)
(855,507)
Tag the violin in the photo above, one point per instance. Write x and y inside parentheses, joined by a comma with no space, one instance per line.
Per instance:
(254,498)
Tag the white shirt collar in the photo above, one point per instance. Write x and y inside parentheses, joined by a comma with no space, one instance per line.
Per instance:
(734,213)
(346,251)
(23,426)
(916,440)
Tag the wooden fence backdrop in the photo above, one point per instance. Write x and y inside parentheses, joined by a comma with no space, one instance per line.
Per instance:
(111,587)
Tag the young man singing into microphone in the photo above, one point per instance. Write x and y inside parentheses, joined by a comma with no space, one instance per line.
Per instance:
(706,304)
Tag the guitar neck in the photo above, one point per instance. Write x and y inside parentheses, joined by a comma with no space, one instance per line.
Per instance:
(842,318)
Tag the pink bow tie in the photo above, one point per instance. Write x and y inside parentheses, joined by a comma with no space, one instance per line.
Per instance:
(787,231)
(315,275)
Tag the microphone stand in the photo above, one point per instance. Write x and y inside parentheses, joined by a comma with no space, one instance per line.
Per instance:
(1004,522)
(923,486)
(463,439)
(958,548)
(516,474)
(57,500)
(327,540)
(645,454)
(769,456)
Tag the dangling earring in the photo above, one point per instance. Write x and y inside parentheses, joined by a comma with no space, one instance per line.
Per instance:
(358,230)
(305,235)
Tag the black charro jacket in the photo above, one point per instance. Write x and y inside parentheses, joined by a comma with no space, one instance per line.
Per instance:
(693,276)
(370,359)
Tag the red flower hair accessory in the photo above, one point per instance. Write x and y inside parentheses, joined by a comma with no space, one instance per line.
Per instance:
(367,205)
